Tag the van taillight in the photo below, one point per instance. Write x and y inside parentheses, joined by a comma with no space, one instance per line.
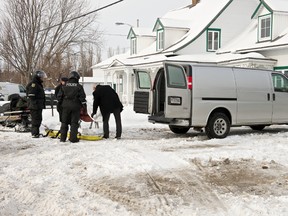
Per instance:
(189,80)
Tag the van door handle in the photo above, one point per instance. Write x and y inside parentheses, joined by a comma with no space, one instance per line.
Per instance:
(274,97)
(268,97)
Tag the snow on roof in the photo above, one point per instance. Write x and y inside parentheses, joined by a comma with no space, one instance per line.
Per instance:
(91,79)
(211,58)
(197,21)
(277,5)
(247,41)
(110,60)
(175,23)
(140,31)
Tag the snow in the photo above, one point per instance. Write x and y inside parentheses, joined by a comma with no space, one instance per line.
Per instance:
(277,5)
(151,171)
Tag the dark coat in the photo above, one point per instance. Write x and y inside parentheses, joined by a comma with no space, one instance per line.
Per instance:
(72,95)
(35,93)
(57,89)
(107,99)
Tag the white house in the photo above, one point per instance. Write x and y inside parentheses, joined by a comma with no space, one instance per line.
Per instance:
(246,33)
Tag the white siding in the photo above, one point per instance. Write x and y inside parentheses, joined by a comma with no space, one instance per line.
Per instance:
(279,54)
(240,11)
(278,27)
(144,42)
(263,11)
(172,35)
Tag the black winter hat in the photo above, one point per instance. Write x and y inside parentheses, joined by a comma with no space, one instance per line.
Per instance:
(65,79)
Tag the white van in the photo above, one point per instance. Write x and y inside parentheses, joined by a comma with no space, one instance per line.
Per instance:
(7,89)
(213,98)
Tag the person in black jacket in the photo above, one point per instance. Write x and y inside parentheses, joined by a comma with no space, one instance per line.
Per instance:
(63,81)
(107,99)
(36,101)
(72,97)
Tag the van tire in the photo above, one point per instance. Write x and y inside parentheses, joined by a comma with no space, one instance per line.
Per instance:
(257,127)
(179,130)
(218,126)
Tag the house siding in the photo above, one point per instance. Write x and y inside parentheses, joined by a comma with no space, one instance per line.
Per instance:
(239,11)
(144,42)
(279,54)
(278,26)
(172,35)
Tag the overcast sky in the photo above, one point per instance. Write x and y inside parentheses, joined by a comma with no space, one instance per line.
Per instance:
(128,11)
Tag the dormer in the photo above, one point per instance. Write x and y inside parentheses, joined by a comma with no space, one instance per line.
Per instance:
(270,16)
(140,38)
(168,31)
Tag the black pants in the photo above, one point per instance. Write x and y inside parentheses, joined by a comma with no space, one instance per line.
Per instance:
(70,116)
(106,117)
(36,116)
(59,109)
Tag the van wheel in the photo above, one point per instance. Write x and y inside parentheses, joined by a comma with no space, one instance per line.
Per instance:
(178,130)
(257,127)
(218,126)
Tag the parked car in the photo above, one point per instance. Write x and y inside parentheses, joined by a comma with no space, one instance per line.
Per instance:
(1,97)
(50,99)
(8,88)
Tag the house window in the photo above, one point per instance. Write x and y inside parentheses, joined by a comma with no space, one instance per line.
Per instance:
(213,39)
(264,25)
(160,39)
(133,46)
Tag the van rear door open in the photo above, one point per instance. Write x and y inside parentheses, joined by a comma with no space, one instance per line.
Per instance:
(178,92)
(141,95)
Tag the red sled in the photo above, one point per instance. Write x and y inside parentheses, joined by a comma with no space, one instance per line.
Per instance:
(84,116)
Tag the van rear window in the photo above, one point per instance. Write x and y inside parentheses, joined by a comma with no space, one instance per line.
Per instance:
(144,80)
(176,76)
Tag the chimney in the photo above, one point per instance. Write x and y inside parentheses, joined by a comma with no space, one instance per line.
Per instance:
(194,2)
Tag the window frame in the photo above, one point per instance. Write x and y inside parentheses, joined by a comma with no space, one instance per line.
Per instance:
(212,48)
(260,27)
(133,45)
(160,39)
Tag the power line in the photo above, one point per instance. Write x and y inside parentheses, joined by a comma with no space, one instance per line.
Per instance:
(74,18)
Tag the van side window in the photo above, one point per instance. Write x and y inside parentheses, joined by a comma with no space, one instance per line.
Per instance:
(176,77)
(280,83)
(144,80)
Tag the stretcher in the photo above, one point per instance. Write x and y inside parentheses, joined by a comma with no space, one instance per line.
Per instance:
(57,134)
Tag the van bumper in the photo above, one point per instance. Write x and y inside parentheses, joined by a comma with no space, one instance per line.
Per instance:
(169,121)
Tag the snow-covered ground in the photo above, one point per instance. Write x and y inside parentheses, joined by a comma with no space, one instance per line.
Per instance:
(151,171)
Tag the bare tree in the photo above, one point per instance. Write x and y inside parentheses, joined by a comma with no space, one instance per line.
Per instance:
(41,33)
(110,52)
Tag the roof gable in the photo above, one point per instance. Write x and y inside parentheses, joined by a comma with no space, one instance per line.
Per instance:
(261,5)
(272,6)
(131,34)
(158,25)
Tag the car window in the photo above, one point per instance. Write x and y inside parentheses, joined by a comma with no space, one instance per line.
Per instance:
(175,76)
(144,80)
(22,89)
(280,83)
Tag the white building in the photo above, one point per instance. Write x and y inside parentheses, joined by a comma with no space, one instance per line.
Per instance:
(246,33)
